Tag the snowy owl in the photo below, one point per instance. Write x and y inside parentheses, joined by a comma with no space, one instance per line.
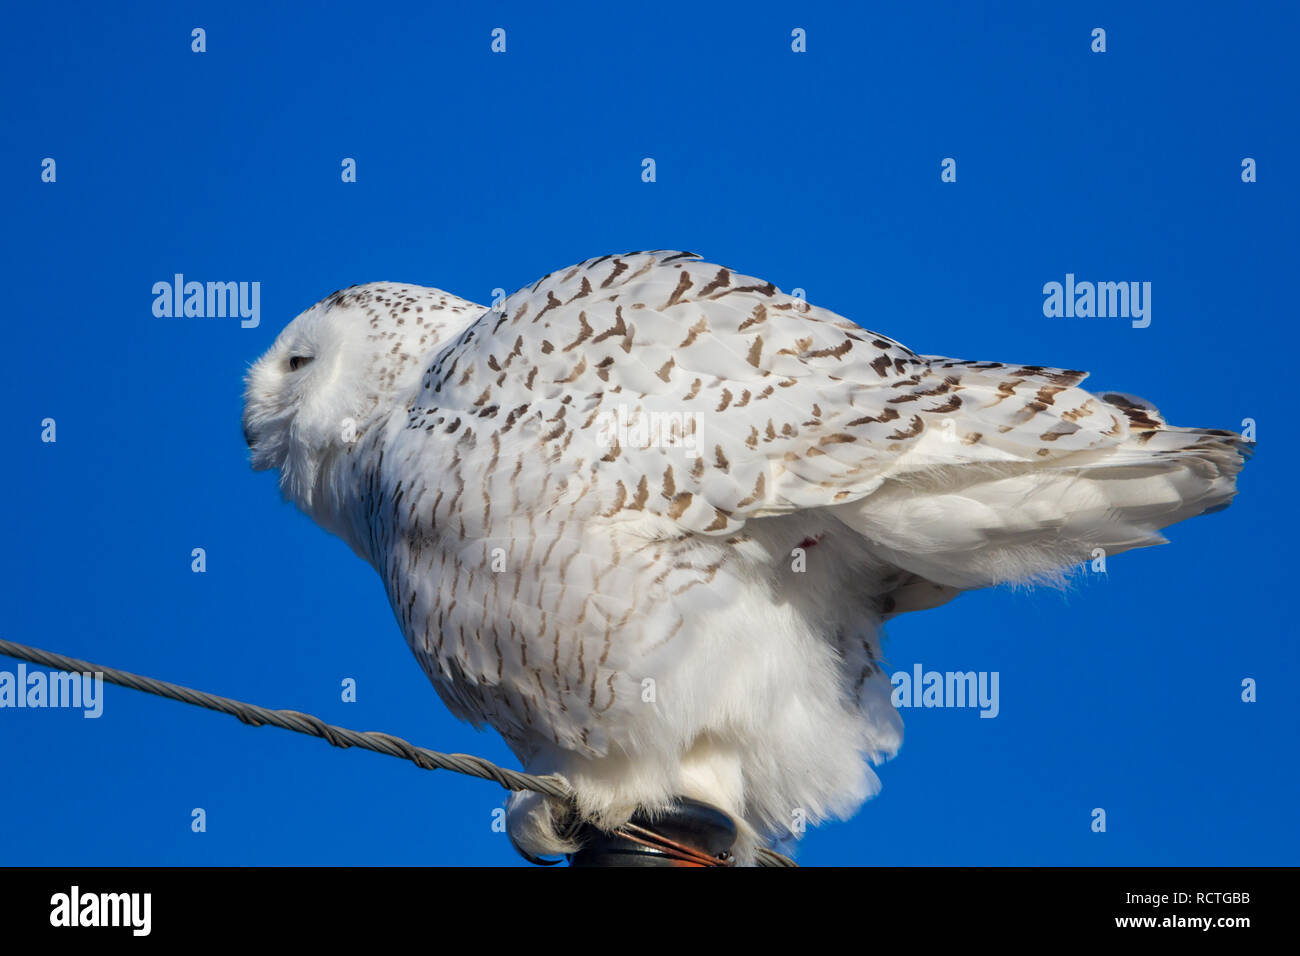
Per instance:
(647,516)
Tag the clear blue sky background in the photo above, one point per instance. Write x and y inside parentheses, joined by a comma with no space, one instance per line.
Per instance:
(817,170)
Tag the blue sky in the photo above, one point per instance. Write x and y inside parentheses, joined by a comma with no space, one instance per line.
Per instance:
(817,170)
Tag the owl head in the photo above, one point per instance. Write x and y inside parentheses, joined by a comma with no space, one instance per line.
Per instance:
(335,370)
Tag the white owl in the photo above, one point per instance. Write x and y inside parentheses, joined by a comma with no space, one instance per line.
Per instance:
(646,517)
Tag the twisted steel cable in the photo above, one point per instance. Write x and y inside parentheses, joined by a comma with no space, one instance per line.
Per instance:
(552,784)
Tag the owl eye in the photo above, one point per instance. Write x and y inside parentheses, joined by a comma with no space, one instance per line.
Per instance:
(298,361)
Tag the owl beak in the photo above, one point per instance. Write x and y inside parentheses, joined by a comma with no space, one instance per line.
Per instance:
(248,436)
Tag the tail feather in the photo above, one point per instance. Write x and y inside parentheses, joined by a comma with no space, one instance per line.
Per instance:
(1031,521)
